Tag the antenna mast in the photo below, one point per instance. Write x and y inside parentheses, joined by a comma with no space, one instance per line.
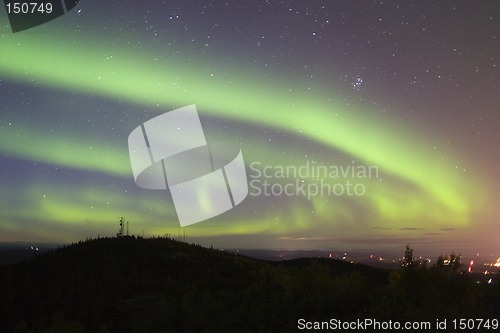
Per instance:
(122,226)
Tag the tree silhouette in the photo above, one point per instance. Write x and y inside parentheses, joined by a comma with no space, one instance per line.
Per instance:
(449,263)
(409,262)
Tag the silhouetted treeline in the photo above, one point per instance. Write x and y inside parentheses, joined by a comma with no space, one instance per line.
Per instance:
(160,285)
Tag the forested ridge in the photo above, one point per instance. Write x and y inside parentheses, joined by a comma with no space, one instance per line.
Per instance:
(134,284)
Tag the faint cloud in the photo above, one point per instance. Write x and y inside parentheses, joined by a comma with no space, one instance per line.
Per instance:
(310,239)
(382,228)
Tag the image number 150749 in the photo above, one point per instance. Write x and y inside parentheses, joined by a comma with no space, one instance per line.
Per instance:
(27,14)
(29,8)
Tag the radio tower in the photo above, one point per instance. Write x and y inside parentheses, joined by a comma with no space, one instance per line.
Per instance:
(122,227)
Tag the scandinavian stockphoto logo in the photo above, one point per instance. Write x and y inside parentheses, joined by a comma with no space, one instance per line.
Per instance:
(28,14)
(171,152)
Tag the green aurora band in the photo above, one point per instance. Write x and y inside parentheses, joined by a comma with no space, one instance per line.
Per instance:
(423,188)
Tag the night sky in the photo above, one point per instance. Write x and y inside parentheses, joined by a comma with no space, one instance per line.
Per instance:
(409,89)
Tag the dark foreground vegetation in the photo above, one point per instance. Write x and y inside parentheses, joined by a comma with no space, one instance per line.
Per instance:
(160,285)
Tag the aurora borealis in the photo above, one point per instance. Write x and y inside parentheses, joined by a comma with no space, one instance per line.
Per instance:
(405,88)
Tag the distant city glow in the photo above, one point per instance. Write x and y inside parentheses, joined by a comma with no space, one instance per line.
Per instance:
(497,263)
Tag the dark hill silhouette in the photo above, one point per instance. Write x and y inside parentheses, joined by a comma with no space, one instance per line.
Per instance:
(13,256)
(133,284)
